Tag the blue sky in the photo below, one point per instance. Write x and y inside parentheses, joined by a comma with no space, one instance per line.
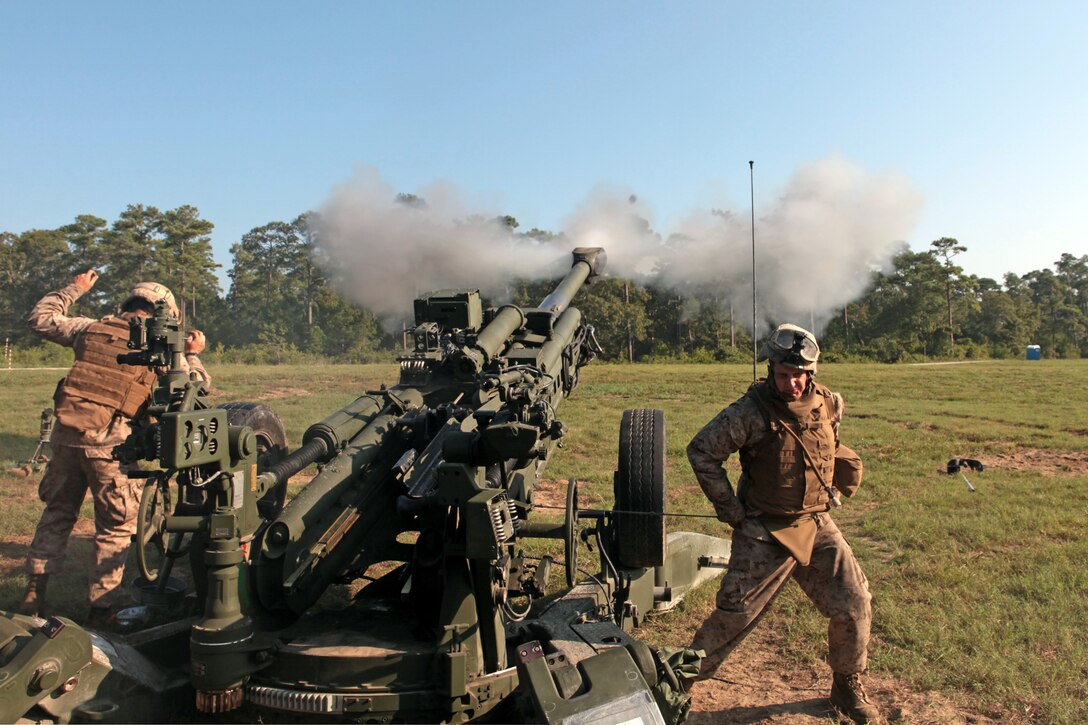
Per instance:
(255,112)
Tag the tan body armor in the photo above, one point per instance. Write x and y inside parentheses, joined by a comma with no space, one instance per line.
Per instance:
(780,479)
(98,387)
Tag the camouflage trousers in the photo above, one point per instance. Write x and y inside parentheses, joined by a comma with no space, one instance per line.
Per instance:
(70,472)
(758,569)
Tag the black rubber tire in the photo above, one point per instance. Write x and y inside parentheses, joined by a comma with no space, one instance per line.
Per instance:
(639,485)
(271,447)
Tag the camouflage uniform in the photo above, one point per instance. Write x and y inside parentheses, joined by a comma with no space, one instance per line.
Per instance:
(759,566)
(82,459)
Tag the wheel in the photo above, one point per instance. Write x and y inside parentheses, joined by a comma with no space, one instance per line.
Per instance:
(639,485)
(151,529)
(271,448)
(644,658)
(570,533)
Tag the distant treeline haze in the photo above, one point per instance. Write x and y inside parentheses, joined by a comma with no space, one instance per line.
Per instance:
(281,305)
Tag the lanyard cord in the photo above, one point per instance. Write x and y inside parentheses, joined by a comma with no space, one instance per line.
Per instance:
(634,513)
(832,493)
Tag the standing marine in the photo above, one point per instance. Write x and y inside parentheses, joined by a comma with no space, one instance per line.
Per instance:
(94,404)
(786,430)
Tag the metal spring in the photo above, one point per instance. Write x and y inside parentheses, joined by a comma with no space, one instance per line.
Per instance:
(515,516)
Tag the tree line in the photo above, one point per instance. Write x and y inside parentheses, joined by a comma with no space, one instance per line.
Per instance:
(282,307)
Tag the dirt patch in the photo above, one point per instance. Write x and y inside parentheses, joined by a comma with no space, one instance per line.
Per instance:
(13,555)
(757,685)
(911,425)
(551,496)
(1047,463)
(303,477)
(14,549)
(280,391)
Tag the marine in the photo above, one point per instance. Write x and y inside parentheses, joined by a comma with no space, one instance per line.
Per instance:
(785,429)
(94,404)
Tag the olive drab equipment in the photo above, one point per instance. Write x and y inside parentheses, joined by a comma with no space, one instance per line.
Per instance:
(97,388)
(426,489)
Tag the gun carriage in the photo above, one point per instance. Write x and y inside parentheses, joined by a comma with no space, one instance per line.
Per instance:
(424,491)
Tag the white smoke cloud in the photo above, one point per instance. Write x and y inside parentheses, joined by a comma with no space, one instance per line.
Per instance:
(815,245)
(383,252)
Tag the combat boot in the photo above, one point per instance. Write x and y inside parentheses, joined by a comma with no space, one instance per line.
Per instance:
(34,598)
(849,698)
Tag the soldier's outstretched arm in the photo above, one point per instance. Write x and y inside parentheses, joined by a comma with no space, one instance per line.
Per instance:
(49,317)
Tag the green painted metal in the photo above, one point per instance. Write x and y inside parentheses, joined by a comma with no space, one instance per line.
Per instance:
(425,489)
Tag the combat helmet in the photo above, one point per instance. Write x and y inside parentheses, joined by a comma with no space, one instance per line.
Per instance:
(153,292)
(793,346)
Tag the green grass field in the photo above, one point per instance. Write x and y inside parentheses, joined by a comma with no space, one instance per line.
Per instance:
(978,595)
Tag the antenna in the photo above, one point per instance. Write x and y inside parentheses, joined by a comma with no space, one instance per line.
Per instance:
(752,188)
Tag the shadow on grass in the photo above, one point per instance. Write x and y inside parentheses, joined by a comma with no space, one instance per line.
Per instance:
(15,448)
(67,593)
(11,552)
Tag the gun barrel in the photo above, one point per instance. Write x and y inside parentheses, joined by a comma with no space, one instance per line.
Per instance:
(551,352)
(325,438)
(305,522)
(588,263)
(311,503)
(492,338)
(343,425)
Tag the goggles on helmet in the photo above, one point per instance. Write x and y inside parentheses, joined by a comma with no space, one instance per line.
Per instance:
(794,347)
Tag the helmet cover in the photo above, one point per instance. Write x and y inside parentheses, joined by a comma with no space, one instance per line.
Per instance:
(153,292)
(793,346)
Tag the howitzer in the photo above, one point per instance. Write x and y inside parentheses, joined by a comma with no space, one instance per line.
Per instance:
(424,492)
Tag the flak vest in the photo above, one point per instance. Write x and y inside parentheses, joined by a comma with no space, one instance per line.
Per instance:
(97,388)
(779,479)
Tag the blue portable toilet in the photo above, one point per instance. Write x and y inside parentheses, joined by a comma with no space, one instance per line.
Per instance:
(1035,352)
